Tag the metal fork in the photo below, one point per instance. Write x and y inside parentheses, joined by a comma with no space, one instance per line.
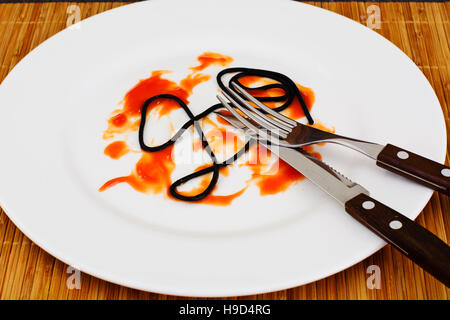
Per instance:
(292,134)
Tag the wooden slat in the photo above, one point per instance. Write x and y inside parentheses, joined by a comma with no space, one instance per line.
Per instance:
(421,30)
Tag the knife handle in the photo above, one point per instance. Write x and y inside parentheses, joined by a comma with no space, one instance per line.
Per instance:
(410,238)
(412,166)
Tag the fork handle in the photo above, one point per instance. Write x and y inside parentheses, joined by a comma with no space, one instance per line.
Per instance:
(410,238)
(412,166)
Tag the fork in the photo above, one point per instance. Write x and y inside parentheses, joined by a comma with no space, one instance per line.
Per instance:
(409,237)
(292,134)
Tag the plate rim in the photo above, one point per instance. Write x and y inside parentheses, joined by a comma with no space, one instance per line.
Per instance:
(86,269)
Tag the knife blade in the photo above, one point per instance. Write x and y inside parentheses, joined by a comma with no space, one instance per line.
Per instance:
(333,182)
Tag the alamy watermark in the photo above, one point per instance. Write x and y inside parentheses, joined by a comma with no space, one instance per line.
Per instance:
(374,279)
(74,17)
(373,20)
(74,280)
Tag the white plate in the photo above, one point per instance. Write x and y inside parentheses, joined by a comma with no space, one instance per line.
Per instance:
(52,153)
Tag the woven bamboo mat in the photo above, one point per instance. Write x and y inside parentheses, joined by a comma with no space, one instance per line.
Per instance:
(421,30)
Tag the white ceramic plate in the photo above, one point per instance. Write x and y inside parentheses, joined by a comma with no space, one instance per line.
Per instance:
(54,107)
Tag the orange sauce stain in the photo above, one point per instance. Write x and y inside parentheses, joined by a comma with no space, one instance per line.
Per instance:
(219,200)
(119,120)
(211,58)
(207,120)
(147,88)
(116,149)
(274,183)
(295,110)
(272,92)
(193,80)
(220,140)
(225,171)
(197,145)
(259,157)
(279,177)
(247,81)
(152,173)
(128,117)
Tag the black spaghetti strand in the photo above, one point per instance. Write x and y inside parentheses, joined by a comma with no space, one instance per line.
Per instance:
(290,88)
(291,92)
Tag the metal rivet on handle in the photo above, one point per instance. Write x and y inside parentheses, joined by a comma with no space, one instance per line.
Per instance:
(368,205)
(445,172)
(395,224)
(403,155)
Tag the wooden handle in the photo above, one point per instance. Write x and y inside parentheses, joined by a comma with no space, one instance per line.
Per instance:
(414,241)
(412,166)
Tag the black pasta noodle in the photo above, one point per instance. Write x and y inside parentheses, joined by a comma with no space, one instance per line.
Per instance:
(291,92)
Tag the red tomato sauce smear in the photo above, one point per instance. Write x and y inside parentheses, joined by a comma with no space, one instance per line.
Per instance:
(153,171)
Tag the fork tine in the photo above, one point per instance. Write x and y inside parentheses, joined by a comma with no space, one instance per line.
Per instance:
(257,116)
(263,123)
(236,114)
(271,122)
(279,116)
(247,123)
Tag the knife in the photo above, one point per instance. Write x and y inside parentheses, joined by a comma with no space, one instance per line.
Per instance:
(410,238)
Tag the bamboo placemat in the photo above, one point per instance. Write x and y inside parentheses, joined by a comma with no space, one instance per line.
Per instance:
(421,30)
